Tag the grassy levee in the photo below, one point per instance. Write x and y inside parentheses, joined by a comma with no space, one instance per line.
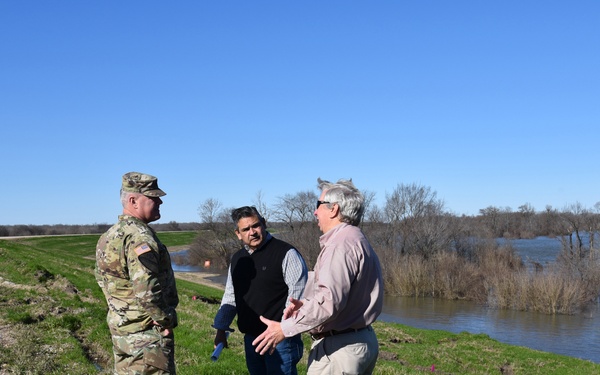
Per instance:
(52,321)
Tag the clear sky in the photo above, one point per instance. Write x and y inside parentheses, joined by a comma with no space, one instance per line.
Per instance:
(488,103)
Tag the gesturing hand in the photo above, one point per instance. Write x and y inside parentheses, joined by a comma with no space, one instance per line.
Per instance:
(292,309)
(268,340)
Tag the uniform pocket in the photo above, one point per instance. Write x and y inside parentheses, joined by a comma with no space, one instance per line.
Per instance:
(159,353)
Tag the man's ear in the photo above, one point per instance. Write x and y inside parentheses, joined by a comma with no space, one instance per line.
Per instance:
(335,210)
(132,199)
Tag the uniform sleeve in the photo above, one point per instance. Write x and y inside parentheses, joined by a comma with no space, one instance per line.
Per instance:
(143,264)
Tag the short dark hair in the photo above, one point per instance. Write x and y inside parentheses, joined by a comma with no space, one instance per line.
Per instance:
(238,214)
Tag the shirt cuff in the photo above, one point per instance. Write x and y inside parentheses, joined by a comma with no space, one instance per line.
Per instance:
(289,328)
(224,318)
(228,329)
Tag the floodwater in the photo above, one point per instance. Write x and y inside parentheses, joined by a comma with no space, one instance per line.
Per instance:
(572,335)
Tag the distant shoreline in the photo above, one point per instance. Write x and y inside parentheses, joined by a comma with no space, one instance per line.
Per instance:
(199,278)
(195,277)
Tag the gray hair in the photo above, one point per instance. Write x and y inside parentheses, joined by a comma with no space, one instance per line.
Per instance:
(347,197)
(125,196)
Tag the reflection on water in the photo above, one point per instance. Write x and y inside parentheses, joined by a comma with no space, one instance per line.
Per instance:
(575,336)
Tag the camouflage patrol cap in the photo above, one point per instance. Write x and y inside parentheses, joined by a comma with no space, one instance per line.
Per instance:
(136,182)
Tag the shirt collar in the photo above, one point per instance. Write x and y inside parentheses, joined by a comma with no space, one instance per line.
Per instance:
(330,233)
(267,239)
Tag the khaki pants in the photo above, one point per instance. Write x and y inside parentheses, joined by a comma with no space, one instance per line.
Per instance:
(144,353)
(348,353)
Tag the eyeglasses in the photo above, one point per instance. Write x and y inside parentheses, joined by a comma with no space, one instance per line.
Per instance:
(320,203)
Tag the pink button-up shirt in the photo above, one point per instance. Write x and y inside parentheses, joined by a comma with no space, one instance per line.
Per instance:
(346,288)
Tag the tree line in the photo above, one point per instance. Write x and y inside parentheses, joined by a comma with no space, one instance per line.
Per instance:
(413,220)
(426,250)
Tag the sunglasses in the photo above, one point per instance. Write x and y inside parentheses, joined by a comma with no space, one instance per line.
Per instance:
(320,203)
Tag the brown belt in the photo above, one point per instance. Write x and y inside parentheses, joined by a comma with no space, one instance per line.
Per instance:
(320,335)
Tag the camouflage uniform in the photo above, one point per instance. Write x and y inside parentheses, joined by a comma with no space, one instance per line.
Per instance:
(133,268)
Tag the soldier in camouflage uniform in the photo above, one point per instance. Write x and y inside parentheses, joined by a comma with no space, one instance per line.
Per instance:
(133,268)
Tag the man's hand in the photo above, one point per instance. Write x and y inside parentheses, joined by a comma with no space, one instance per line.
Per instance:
(221,337)
(268,340)
(292,309)
(165,331)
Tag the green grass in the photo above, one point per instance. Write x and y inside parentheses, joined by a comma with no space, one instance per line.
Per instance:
(52,321)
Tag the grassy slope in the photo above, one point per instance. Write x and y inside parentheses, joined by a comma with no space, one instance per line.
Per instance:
(52,311)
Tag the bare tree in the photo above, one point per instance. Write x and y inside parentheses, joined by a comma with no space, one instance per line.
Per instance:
(295,210)
(296,213)
(371,209)
(216,241)
(550,222)
(374,215)
(413,212)
(261,206)
(497,220)
(526,224)
(592,222)
(210,210)
(573,218)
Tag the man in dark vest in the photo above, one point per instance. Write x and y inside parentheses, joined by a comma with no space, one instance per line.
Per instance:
(263,275)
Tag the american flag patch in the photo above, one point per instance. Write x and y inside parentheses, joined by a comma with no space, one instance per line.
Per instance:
(142,249)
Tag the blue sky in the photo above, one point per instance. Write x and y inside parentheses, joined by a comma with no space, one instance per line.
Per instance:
(487,103)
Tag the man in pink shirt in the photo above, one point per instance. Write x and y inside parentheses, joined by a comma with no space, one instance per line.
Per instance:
(343,295)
